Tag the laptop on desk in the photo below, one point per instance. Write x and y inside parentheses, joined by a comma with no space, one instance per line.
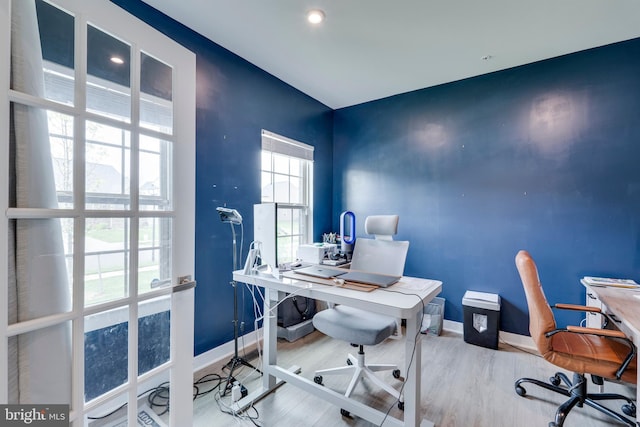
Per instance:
(380,256)
(381,280)
(320,271)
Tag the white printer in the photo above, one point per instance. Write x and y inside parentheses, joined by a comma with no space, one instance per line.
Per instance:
(316,252)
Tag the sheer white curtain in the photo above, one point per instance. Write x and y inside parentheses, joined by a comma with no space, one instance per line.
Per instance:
(40,361)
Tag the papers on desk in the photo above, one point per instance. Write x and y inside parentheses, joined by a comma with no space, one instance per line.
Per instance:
(611,282)
(413,284)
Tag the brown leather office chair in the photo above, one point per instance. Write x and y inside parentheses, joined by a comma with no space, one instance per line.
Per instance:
(601,353)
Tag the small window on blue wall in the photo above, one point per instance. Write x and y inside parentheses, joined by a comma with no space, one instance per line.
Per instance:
(287,171)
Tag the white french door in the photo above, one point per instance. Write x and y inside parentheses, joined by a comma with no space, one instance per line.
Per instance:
(97,153)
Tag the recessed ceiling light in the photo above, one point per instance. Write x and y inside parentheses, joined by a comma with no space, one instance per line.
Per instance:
(117,60)
(315,16)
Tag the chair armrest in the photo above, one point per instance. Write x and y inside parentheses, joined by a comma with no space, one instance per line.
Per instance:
(597,331)
(585,308)
(576,307)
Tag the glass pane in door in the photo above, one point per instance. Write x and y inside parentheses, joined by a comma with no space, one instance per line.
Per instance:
(155,174)
(105,352)
(108,75)
(107,167)
(52,41)
(154,403)
(156,94)
(40,260)
(154,253)
(106,260)
(61,142)
(42,155)
(154,337)
(40,366)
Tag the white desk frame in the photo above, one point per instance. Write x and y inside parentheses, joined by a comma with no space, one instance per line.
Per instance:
(393,304)
(625,308)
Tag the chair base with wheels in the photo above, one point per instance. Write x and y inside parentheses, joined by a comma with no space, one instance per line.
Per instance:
(365,329)
(576,390)
(359,370)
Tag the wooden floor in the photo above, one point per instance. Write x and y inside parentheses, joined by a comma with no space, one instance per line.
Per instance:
(462,385)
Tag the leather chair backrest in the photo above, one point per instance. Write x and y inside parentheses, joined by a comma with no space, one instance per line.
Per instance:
(541,318)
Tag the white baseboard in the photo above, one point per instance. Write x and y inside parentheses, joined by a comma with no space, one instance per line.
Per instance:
(451,326)
(522,341)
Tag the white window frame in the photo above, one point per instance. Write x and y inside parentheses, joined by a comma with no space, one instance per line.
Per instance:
(278,144)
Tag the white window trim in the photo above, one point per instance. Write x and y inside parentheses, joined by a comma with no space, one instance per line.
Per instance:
(286,146)
(289,147)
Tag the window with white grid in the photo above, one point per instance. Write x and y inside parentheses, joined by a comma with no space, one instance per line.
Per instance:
(287,170)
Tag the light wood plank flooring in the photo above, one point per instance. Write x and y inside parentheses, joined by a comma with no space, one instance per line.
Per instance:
(462,385)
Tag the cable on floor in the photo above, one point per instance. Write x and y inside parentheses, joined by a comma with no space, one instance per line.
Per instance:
(158,397)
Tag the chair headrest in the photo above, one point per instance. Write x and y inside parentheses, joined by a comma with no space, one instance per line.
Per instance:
(382,226)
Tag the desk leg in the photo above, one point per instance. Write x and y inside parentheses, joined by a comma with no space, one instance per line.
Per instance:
(270,331)
(413,364)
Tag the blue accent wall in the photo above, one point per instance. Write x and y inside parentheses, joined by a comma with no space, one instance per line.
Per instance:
(235,101)
(543,157)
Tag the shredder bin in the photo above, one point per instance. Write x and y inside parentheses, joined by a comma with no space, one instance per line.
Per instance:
(481,312)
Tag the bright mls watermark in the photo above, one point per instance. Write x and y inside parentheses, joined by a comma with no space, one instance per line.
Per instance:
(34,415)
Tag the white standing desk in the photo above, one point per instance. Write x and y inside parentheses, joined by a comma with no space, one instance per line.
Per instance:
(416,293)
(624,304)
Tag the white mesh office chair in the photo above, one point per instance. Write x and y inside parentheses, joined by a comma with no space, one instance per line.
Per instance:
(360,327)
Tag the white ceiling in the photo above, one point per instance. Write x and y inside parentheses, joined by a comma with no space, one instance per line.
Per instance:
(370,49)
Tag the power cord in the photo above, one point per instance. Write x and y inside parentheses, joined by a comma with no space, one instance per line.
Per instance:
(227,409)
(413,352)
(154,394)
(158,397)
(258,298)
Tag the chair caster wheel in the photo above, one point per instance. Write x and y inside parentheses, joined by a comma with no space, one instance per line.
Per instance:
(349,362)
(345,413)
(629,409)
(317,379)
(401,406)
(521,390)
(555,380)
(396,373)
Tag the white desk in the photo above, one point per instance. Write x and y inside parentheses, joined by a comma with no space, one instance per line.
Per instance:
(406,306)
(624,304)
